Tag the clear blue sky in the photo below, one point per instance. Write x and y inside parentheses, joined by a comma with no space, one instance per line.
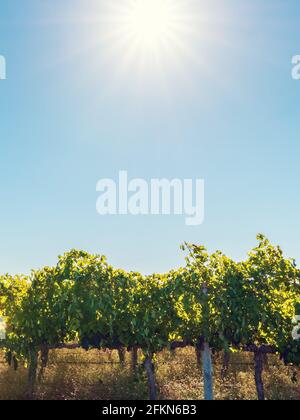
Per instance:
(226,110)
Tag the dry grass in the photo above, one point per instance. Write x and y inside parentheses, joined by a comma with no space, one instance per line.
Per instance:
(95,375)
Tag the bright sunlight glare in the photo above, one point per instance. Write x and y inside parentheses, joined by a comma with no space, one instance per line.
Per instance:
(160,42)
(150,20)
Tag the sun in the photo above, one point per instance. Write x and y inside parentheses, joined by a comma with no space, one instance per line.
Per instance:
(150,21)
(146,43)
(153,39)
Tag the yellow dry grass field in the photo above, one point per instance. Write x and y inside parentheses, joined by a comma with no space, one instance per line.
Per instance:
(98,375)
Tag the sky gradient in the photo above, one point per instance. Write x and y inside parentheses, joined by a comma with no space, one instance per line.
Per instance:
(75,109)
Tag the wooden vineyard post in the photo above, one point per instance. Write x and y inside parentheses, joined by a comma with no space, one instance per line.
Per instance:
(207,373)
(207,365)
(151,378)
(259,367)
(33,365)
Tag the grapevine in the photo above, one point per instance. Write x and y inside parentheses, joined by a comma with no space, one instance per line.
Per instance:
(214,301)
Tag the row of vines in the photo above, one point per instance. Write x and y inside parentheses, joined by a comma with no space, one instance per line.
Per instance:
(214,304)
